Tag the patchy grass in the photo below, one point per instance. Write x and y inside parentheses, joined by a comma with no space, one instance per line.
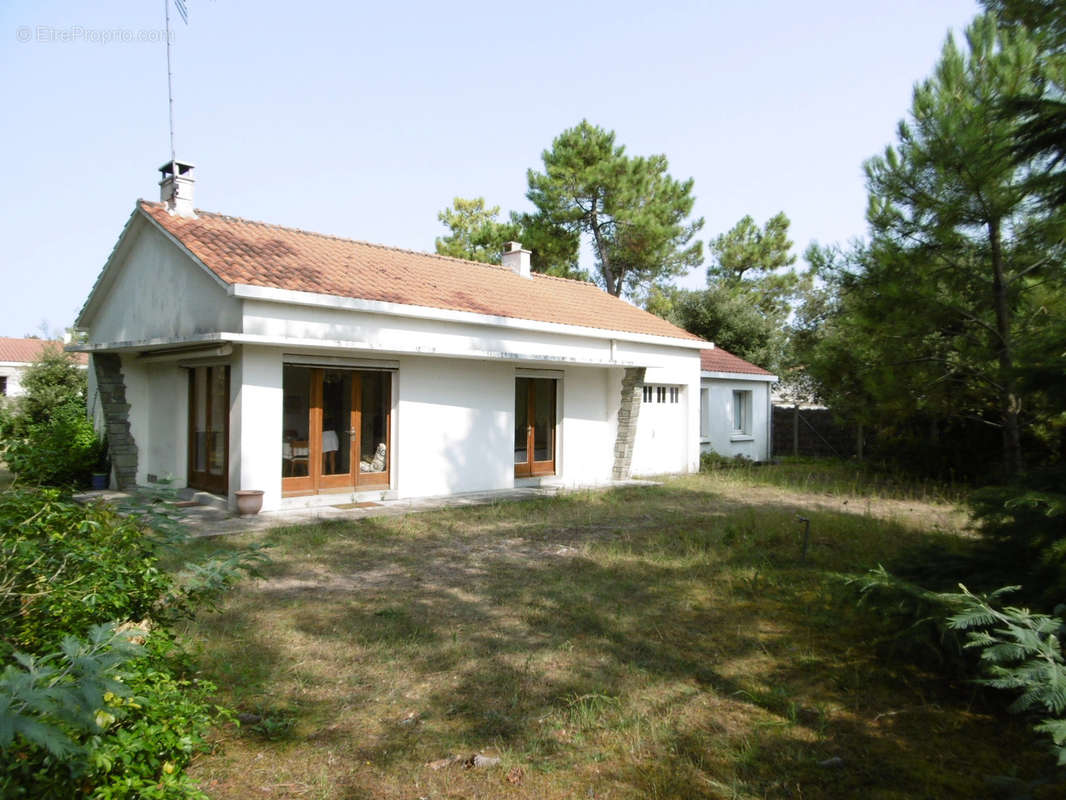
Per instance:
(642,643)
(854,478)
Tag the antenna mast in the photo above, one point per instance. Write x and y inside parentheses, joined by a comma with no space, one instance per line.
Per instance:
(170,81)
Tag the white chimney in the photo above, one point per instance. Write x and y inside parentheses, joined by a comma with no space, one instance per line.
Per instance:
(516,259)
(175,190)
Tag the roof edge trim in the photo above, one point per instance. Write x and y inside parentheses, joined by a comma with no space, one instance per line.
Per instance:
(292,297)
(741,376)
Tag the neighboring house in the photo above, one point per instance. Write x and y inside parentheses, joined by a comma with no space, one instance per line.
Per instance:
(16,355)
(735,416)
(231,354)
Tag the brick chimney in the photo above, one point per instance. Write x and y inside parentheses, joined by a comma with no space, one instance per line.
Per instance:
(516,259)
(175,190)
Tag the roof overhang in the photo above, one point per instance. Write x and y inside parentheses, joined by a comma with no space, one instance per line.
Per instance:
(151,348)
(290,297)
(739,376)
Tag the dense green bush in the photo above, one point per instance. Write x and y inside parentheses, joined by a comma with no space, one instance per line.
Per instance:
(55,379)
(62,450)
(45,435)
(82,713)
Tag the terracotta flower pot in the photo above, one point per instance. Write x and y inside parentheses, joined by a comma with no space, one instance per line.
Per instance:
(249,501)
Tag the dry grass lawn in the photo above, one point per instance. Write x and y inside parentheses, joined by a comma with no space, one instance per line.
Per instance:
(642,643)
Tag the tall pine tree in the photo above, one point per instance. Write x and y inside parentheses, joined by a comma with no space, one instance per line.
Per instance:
(634,214)
(957,242)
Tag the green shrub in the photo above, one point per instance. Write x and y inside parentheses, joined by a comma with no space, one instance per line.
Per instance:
(103,719)
(62,450)
(54,380)
(711,461)
(81,713)
(45,435)
(1021,652)
(65,567)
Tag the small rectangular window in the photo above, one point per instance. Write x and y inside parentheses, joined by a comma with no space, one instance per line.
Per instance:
(742,411)
(3,386)
(675,393)
(660,394)
(647,394)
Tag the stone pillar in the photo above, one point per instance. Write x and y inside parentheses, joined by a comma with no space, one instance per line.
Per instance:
(121,446)
(628,412)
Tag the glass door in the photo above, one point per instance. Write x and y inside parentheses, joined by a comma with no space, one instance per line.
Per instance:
(209,429)
(534,437)
(335,429)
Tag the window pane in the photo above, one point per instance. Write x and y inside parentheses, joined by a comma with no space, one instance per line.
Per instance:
(374,432)
(295,443)
(336,422)
(219,411)
(544,422)
(199,434)
(521,420)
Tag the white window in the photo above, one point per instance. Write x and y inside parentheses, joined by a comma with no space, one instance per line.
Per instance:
(742,411)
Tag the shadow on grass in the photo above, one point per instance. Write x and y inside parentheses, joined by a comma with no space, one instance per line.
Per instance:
(679,641)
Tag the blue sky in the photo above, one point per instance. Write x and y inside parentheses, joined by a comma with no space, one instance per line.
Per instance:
(364,120)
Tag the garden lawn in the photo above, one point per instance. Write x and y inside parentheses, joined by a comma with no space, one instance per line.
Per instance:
(661,642)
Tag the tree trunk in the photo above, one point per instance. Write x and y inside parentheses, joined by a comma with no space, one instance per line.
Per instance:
(1008,399)
(612,284)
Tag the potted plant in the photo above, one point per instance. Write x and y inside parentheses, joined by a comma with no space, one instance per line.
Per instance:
(101,474)
(249,501)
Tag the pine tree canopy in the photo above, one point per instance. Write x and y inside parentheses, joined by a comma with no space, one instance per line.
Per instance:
(634,213)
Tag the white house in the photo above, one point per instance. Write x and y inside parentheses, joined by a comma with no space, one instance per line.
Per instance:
(16,355)
(232,354)
(735,406)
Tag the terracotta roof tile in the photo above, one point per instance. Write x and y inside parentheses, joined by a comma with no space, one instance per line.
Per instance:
(258,254)
(26,350)
(719,360)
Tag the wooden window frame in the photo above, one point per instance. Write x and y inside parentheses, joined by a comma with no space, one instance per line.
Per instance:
(316,481)
(531,468)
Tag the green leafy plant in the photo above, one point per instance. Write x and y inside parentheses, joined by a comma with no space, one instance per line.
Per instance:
(1020,652)
(82,712)
(61,450)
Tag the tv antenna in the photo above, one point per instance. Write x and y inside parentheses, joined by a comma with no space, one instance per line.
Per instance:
(183,12)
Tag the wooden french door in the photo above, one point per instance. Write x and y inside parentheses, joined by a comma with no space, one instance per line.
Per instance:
(534,427)
(335,434)
(209,429)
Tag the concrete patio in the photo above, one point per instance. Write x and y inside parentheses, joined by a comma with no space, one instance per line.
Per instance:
(210,519)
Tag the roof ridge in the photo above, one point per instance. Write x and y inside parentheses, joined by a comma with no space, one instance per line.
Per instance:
(350,240)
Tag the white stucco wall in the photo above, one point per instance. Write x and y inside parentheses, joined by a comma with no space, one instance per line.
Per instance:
(666,439)
(157,292)
(385,333)
(12,371)
(158,396)
(718,419)
(455,423)
(588,414)
(256,422)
